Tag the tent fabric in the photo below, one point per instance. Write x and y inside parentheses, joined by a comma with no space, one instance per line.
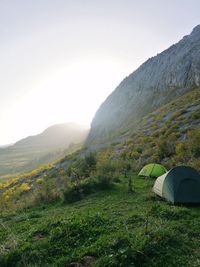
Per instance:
(158,186)
(179,185)
(152,170)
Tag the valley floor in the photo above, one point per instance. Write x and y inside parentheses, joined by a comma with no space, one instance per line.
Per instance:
(110,228)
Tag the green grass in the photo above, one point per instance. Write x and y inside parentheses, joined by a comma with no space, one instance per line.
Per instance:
(17,160)
(112,228)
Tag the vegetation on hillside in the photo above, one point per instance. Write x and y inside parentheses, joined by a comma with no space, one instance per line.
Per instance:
(158,81)
(169,135)
(111,228)
(78,212)
(166,136)
(34,151)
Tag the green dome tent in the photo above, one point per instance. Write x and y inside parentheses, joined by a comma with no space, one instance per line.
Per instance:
(152,170)
(179,185)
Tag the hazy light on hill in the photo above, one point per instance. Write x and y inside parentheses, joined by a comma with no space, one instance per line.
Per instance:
(60,59)
(72,93)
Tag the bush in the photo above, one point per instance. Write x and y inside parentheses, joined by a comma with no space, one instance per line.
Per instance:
(25,187)
(102,183)
(166,147)
(71,195)
(194,143)
(83,166)
(86,187)
(46,193)
(40,180)
(181,152)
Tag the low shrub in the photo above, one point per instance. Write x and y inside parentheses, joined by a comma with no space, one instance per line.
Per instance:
(194,142)
(86,187)
(46,193)
(40,180)
(25,187)
(71,195)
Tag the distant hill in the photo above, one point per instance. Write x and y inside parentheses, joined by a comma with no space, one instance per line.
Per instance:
(33,151)
(156,82)
(55,136)
(4,146)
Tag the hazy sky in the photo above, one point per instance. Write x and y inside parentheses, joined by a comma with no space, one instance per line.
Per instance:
(59,59)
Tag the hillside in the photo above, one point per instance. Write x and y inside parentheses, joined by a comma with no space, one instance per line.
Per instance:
(31,152)
(90,208)
(158,81)
(77,212)
(110,228)
(55,136)
(169,135)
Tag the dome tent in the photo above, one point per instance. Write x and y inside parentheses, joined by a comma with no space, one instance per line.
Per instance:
(179,185)
(152,170)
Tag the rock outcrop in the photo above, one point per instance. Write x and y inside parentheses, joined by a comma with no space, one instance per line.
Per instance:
(156,82)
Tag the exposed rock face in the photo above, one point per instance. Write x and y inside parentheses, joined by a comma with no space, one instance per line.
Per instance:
(157,81)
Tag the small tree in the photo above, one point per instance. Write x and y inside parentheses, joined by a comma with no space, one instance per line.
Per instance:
(126,167)
(91,161)
(80,170)
(181,152)
(166,147)
(194,143)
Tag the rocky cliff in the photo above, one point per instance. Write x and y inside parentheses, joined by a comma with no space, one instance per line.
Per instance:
(156,82)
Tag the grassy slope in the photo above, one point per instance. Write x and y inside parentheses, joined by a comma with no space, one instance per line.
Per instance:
(156,137)
(171,124)
(178,116)
(113,228)
(15,160)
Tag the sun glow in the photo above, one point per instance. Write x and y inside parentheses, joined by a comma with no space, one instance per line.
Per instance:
(71,93)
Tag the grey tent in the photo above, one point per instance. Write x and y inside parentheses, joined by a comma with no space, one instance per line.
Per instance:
(179,185)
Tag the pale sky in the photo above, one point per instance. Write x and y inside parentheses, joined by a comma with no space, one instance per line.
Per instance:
(60,59)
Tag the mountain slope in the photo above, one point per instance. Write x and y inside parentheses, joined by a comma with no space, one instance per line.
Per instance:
(58,135)
(111,227)
(170,135)
(156,82)
(33,151)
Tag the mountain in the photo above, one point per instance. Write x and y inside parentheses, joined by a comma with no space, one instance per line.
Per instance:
(43,148)
(109,224)
(156,82)
(55,136)
(111,227)
(4,146)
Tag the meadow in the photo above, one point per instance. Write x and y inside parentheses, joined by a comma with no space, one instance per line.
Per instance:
(108,228)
